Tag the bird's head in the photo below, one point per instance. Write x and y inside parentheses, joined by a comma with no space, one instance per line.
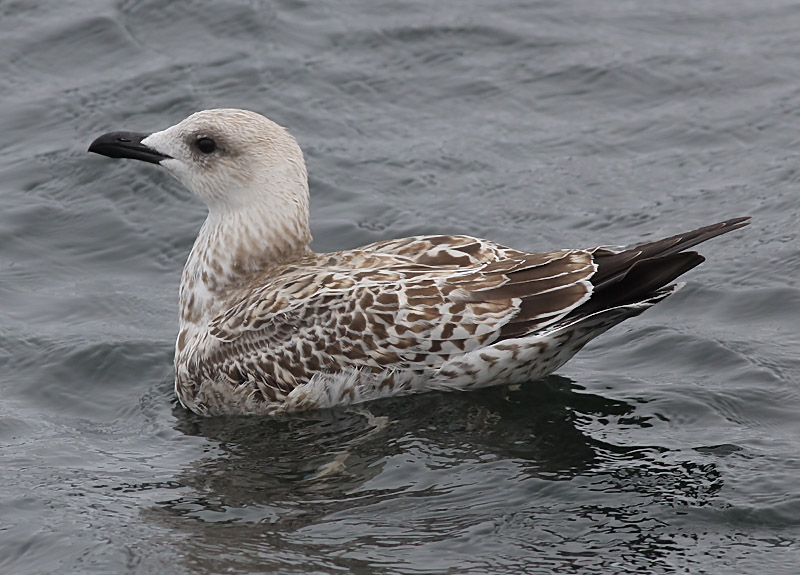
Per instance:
(231,159)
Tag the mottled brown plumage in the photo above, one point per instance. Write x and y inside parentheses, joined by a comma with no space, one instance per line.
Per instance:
(269,326)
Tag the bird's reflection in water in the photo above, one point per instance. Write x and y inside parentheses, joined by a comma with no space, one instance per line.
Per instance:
(266,479)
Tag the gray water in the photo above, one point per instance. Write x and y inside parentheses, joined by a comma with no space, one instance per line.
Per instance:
(669,445)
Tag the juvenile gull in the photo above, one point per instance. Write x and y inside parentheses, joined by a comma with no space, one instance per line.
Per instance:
(269,326)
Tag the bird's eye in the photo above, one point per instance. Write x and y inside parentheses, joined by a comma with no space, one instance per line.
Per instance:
(206,144)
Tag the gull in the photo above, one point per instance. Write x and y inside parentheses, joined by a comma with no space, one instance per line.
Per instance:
(267,326)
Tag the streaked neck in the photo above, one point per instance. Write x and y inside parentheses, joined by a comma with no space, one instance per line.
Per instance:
(234,245)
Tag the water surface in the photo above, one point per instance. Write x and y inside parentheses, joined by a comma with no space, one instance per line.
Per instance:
(669,445)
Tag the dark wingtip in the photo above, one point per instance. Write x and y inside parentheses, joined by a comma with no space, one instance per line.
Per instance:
(736,223)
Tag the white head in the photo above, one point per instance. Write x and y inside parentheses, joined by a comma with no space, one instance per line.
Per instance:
(247,169)
(233,159)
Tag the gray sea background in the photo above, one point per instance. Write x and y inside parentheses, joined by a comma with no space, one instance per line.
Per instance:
(669,445)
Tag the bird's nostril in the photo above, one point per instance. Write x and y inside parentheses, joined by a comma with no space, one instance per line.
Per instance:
(123,139)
